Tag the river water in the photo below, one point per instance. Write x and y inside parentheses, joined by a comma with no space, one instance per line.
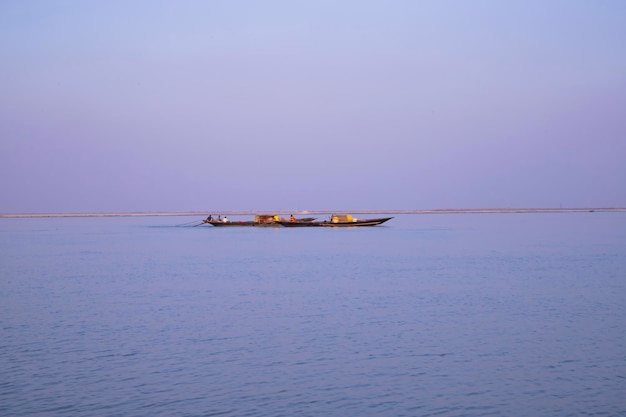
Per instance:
(426,315)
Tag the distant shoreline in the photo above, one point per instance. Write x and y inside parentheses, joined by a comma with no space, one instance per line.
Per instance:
(303,212)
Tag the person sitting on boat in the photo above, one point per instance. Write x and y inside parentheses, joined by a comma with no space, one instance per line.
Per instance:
(225,219)
(209,219)
(291,218)
(219,218)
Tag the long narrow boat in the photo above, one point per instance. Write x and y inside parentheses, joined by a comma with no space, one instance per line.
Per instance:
(259,221)
(231,223)
(337,221)
(355,222)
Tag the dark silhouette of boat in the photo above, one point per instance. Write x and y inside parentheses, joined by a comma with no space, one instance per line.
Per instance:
(259,220)
(232,223)
(336,221)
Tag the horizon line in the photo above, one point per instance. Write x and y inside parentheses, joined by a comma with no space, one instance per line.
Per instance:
(301,212)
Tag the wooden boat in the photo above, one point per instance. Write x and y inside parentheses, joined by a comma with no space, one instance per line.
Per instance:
(230,223)
(337,221)
(259,220)
(355,222)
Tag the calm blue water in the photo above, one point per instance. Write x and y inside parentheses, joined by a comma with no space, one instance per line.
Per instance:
(429,315)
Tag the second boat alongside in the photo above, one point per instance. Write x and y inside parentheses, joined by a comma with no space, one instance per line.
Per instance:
(337,221)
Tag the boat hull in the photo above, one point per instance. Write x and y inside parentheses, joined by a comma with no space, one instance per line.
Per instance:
(357,223)
(256,223)
(354,223)
(225,224)
(298,224)
(242,223)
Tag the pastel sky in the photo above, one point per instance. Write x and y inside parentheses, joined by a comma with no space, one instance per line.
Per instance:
(149,105)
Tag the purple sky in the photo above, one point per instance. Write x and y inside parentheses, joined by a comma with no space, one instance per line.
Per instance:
(262,105)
